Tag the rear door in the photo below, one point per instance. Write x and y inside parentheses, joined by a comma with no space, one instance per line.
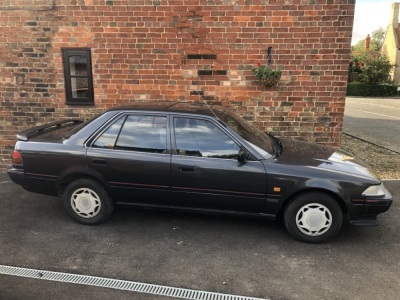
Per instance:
(205,172)
(132,156)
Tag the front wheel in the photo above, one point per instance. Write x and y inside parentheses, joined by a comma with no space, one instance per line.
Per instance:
(87,202)
(313,217)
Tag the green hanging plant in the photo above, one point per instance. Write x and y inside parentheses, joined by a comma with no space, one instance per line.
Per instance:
(267,75)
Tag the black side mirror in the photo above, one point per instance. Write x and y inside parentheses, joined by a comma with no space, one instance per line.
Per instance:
(242,156)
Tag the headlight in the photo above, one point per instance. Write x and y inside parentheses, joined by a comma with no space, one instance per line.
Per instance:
(375,191)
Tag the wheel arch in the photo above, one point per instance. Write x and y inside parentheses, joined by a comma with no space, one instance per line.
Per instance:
(66,180)
(331,193)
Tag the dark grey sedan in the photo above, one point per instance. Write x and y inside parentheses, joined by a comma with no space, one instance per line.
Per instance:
(194,157)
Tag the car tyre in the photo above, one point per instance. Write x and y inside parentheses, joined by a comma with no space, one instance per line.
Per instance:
(313,217)
(87,202)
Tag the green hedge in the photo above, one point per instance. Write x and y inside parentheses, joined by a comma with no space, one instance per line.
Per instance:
(369,90)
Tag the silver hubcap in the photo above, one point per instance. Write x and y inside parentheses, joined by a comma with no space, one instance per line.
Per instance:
(86,203)
(314,219)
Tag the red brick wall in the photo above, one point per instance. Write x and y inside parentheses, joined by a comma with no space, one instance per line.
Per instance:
(140,52)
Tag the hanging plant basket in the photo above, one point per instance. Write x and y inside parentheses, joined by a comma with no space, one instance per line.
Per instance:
(266,75)
(270,80)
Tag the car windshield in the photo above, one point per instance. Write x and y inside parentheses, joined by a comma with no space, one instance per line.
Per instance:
(257,139)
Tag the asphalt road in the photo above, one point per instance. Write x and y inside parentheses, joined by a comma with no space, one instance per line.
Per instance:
(239,256)
(376,120)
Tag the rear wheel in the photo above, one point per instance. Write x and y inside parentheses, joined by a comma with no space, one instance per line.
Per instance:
(313,217)
(87,202)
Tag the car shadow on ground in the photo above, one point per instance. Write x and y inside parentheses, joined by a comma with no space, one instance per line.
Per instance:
(204,225)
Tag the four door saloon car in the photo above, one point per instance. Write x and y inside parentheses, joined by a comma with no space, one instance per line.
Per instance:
(194,157)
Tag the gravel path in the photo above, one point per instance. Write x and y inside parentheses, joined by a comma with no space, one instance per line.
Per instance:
(384,162)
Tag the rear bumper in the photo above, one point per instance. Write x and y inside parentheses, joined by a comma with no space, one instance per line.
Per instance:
(35,183)
(17,176)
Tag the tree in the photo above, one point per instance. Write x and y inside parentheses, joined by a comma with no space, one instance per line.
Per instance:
(377,71)
(358,47)
(377,39)
(373,70)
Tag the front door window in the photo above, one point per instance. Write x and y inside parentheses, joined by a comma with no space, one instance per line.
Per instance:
(202,138)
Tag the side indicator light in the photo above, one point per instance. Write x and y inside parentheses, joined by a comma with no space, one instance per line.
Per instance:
(277,189)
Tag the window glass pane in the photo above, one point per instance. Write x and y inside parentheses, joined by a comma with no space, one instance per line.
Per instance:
(78,76)
(78,65)
(79,87)
(203,138)
(144,134)
(108,138)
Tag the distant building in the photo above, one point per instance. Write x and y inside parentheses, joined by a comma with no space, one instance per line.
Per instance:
(391,43)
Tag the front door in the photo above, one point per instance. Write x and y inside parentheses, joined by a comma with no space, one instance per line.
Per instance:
(205,172)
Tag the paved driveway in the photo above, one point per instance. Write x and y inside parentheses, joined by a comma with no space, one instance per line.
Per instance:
(376,120)
(237,256)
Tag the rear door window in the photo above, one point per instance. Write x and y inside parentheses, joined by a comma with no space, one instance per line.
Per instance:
(143,133)
(136,133)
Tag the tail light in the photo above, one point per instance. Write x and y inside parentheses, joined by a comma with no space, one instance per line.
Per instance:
(17,158)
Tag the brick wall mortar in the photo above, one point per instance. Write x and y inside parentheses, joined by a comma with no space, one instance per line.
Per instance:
(140,52)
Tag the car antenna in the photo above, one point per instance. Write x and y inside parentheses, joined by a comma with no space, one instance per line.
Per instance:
(205,102)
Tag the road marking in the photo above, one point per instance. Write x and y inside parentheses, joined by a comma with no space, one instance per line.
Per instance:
(4,182)
(375,104)
(368,112)
(124,285)
(379,105)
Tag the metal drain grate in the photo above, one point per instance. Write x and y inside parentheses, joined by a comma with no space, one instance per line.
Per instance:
(132,286)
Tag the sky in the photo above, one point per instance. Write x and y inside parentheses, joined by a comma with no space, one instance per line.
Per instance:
(369,16)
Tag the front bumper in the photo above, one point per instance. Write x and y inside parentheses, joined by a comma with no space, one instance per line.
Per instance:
(376,206)
(371,208)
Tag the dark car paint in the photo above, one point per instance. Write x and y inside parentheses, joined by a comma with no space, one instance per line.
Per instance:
(295,171)
(257,187)
(182,176)
(144,177)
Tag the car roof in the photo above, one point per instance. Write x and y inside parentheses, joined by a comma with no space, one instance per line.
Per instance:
(170,106)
